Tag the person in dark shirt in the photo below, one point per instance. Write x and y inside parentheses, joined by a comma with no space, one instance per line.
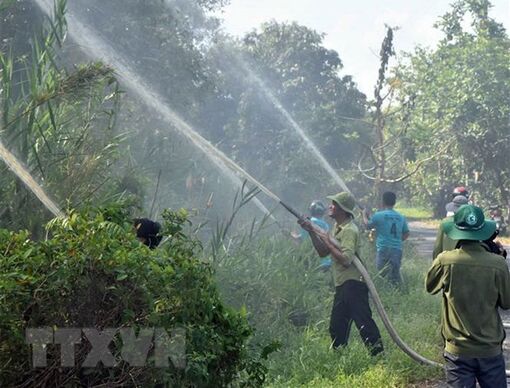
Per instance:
(147,232)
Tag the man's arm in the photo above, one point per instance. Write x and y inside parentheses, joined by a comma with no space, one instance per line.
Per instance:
(405,230)
(372,221)
(320,246)
(438,244)
(434,280)
(318,242)
(504,289)
(341,255)
(324,245)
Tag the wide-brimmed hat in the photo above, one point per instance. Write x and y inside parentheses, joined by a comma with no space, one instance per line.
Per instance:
(345,200)
(469,224)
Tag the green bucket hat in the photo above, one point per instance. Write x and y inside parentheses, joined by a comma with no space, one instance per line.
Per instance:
(469,224)
(345,201)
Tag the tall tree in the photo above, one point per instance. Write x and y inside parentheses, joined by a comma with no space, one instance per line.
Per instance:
(389,161)
(163,42)
(461,94)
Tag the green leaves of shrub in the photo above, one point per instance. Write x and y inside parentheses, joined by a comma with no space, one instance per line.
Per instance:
(92,272)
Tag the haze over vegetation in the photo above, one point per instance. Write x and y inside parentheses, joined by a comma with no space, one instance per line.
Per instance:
(106,103)
(178,52)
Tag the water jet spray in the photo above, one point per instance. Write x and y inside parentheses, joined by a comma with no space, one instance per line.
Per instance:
(100,50)
(21,172)
(295,126)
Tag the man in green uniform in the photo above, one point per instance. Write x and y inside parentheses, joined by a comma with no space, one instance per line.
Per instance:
(351,293)
(475,283)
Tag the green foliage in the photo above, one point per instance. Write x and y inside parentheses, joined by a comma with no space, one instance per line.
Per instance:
(164,42)
(93,272)
(219,236)
(174,228)
(460,93)
(413,212)
(5,4)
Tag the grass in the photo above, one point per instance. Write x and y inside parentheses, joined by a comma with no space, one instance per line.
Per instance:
(277,282)
(431,223)
(414,213)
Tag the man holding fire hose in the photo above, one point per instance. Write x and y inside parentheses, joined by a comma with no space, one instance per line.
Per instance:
(351,293)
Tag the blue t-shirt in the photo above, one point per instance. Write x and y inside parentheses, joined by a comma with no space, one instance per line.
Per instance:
(389,227)
(325,261)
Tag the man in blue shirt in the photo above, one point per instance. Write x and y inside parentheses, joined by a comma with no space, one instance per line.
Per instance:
(391,229)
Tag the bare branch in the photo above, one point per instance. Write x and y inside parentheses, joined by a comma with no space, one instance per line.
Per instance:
(392,139)
(356,119)
(362,158)
(417,166)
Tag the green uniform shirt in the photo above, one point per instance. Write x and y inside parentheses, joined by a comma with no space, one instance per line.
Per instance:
(443,242)
(474,284)
(347,235)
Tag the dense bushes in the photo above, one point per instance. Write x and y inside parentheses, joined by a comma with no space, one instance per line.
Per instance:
(93,273)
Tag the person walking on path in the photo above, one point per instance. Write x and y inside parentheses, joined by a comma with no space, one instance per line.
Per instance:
(474,284)
(351,293)
(457,191)
(391,230)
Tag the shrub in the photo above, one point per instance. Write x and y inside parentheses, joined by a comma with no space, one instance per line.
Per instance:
(93,273)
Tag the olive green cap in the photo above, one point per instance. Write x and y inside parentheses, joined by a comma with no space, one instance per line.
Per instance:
(469,224)
(345,200)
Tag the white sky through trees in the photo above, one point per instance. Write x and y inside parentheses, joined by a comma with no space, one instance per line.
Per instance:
(354,28)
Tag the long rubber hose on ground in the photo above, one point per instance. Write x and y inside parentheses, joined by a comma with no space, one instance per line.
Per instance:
(384,317)
(323,235)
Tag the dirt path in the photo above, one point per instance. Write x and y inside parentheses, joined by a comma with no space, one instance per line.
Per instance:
(423,236)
